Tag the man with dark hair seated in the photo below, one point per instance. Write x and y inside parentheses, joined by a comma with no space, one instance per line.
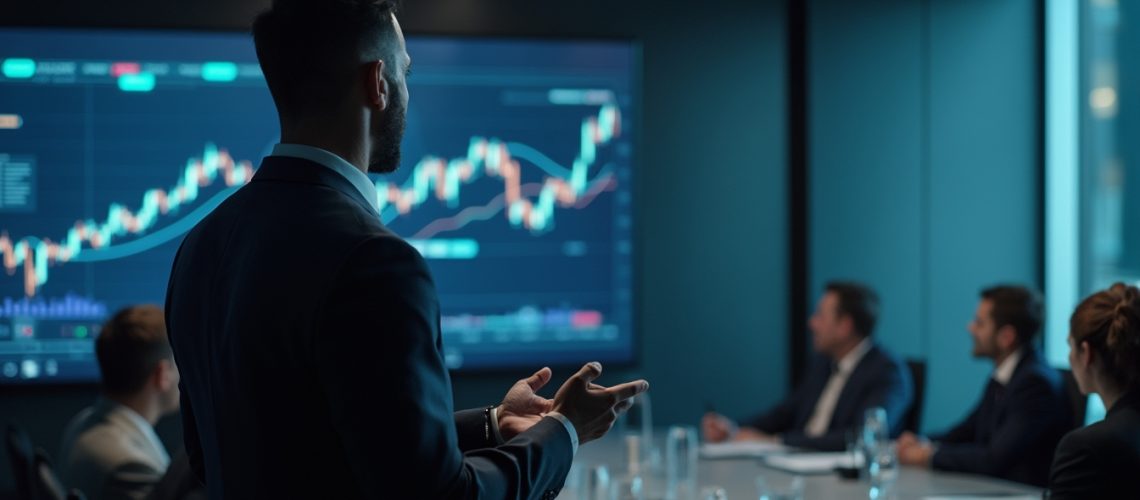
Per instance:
(1023,412)
(850,375)
(110,450)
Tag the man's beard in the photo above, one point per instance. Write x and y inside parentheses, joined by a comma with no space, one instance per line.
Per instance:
(984,348)
(385,157)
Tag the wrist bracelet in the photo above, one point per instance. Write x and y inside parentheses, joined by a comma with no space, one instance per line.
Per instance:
(487,423)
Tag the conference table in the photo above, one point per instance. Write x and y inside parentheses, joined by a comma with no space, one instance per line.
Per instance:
(738,477)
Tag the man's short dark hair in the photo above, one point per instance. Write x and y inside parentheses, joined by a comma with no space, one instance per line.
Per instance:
(309,48)
(859,302)
(1015,306)
(129,347)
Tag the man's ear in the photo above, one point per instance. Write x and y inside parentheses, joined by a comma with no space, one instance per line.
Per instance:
(163,376)
(1007,337)
(847,325)
(376,87)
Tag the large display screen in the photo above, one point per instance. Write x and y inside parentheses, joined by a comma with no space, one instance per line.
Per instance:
(515,185)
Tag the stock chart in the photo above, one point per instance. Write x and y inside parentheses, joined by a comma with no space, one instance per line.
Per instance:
(516,186)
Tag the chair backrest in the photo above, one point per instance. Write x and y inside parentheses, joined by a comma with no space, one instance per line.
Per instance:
(1077,401)
(913,416)
(48,483)
(22,457)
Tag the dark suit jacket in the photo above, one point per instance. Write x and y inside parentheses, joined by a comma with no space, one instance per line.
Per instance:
(1103,459)
(1012,432)
(307,336)
(879,379)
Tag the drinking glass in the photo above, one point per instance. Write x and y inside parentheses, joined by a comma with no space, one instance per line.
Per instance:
(681,449)
(883,470)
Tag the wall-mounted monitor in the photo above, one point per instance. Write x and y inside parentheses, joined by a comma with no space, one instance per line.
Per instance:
(516,185)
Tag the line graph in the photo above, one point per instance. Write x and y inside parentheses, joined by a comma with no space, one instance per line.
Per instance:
(517,186)
(494,158)
(35,254)
(91,241)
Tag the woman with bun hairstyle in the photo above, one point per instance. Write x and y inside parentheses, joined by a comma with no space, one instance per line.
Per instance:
(1103,459)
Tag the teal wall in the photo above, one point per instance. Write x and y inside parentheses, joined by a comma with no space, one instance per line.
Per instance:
(925,169)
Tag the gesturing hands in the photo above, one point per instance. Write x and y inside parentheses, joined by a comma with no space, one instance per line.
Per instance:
(590,407)
(523,407)
(593,408)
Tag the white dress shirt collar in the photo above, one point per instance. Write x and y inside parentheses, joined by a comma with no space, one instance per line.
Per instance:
(335,163)
(852,359)
(1004,371)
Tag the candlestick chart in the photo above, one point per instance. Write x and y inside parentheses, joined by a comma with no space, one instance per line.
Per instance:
(515,186)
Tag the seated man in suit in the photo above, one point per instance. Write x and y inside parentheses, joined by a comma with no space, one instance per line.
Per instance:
(1023,412)
(850,375)
(110,450)
(1102,460)
(308,333)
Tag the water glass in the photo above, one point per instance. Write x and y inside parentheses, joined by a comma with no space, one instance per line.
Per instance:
(638,421)
(597,484)
(875,427)
(883,470)
(874,435)
(681,453)
(627,487)
(772,489)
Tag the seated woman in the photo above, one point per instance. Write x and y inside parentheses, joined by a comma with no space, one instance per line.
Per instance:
(1103,460)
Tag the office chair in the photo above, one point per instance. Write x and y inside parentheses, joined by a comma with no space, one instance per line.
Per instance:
(22,456)
(912,419)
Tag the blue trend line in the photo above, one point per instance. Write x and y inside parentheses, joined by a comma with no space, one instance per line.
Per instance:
(539,159)
(152,240)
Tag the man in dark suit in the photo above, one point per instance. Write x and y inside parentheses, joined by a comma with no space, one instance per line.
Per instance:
(850,374)
(1023,412)
(308,333)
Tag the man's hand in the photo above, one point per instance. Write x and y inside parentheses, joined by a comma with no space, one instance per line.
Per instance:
(907,438)
(750,434)
(914,450)
(522,407)
(593,408)
(717,427)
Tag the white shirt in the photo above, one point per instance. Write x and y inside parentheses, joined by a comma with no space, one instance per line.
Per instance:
(557,416)
(825,406)
(1004,371)
(335,163)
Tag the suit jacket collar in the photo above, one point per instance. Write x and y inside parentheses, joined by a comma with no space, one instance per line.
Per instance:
(288,169)
(857,375)
(1003,372)
(1030,357)
(1130,399)
(819,379)
(853,358)
(135,426)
